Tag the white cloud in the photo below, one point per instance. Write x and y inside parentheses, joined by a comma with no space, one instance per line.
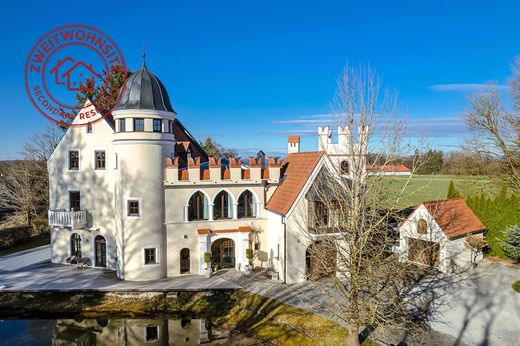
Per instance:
(314,119)
(467,87)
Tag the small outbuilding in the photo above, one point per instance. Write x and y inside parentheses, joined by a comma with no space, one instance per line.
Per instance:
(437,234)
(388,170)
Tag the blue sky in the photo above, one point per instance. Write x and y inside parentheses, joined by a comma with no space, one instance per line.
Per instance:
(249,73)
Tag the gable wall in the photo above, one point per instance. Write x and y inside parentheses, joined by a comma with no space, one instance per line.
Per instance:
(95,186)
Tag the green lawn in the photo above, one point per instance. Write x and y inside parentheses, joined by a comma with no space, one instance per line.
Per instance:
(422,188)
(39,241)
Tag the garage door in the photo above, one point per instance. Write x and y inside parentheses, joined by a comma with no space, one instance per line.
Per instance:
(423,251)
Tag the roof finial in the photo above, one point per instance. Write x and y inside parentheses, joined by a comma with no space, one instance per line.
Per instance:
(144,55)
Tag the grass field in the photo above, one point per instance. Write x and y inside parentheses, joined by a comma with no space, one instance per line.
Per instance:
(431,187)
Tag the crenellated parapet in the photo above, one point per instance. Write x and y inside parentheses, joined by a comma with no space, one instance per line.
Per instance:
(215,171)
(347,143)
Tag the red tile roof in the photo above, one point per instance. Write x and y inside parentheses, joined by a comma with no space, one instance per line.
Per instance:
(294,139)
(297,167)
(454,217)
(204,174)
(242,229)
(387,168)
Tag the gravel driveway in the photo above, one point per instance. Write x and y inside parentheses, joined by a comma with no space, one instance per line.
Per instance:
(483,309)
(478,308)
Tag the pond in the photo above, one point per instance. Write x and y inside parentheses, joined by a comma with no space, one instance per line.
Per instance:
(107,331)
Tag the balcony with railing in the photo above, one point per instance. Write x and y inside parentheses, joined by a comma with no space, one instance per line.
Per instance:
(68,219)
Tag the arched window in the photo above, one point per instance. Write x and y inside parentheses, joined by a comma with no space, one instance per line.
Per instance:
(185,260)
(75,245)
(345,169)
(222,208)
(198,207)
(246,205)
(100,251)
(422,226)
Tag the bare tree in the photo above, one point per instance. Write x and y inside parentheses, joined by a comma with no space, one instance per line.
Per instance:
(24,184)
(496,128)
(23,189)
(347,219)
(41,145)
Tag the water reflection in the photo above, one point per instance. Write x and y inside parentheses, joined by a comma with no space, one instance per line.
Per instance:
(85,332)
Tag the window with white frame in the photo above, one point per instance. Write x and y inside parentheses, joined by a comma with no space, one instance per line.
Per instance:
(138,125)
(157,125)
(246,205)
(89,128)
(100,161)
(133,207)
(121,125)
(198,207)
(73,160)
(150,256)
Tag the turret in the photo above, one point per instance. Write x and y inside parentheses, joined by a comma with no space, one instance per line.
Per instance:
(143,138)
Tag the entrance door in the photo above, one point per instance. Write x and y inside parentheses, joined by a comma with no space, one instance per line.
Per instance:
(74,200)
(185,260)
(423,252)
(101,251)
(223,253)
(320,260)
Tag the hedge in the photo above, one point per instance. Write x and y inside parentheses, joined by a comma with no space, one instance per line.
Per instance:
(15,235)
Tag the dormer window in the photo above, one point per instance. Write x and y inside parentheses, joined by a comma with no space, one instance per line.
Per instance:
(139,125)
(157,125)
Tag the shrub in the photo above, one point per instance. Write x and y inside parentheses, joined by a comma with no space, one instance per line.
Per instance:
(516,286)
(497,213)
(207,257)
(40,224)
(250,255)
(511,245)
(14,235)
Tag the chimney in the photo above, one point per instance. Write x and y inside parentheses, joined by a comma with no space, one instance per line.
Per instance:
(293,145)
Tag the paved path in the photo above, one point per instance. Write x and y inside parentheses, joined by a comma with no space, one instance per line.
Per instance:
(481,308)
(46,276)
(25,258)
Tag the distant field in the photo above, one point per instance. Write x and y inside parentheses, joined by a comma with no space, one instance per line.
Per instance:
(431,187)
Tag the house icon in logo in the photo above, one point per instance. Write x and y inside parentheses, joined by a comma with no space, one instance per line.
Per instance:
(74,74)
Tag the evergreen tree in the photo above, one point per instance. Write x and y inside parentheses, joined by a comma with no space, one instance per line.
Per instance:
(214,149)
(452,192)
(104,96)
(511,245)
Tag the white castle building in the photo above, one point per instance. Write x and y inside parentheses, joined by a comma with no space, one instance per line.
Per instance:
(136,193)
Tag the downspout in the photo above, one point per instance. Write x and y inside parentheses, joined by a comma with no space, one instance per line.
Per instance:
(284,249)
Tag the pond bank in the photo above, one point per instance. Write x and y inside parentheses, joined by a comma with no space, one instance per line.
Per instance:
(254,315)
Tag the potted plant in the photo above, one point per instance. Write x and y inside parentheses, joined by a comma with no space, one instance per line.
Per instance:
(249,255)
(207,259)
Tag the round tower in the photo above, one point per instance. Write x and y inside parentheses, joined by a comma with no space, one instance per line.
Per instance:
(143,137)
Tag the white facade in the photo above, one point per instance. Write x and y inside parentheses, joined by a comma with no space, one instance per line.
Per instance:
(121,199)
(453,253)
